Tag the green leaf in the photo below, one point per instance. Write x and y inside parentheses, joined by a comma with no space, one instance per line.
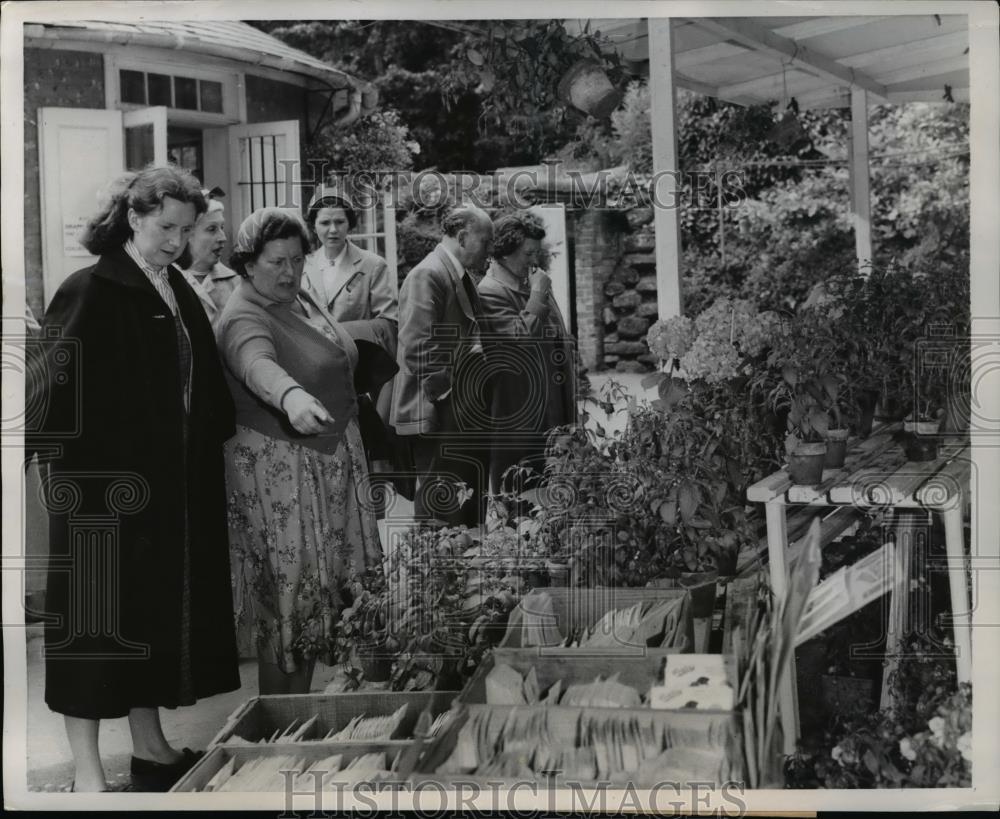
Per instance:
(688,500)
(818,421)
(652,380)
(790,375)
(871,763)
(475,57)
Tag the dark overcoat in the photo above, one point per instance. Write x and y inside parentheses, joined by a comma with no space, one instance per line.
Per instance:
(532,361)
(139,579)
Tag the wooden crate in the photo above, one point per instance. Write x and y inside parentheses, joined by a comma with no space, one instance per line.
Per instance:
(260,717)
(582,608)
(703,730)
(639,672)
(213,761)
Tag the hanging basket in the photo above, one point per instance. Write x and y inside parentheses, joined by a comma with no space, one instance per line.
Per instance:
(586,87)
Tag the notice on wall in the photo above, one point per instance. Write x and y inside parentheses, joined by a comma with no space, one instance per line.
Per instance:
(72,230)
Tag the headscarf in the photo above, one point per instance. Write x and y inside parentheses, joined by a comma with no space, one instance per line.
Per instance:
(250,228)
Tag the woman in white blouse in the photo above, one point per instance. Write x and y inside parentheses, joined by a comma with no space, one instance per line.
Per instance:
(357,289)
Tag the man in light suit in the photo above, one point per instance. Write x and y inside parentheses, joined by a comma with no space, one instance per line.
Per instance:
(440,398)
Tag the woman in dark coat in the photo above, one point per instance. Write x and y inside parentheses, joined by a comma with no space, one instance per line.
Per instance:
(531,354)
(132,412)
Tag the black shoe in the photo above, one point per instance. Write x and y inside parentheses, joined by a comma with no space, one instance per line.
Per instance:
(157,777)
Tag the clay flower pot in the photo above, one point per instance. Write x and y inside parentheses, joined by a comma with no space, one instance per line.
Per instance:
(558,573)
(375,662)
(836,448)
(805,464)
(586,87)
(701,586)
(919,441)
(866,404)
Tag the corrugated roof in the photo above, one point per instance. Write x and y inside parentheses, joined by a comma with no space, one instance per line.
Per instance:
(752,60)
(228,38)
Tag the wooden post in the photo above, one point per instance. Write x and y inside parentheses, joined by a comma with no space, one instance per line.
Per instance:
(667,188)
(777,545)
(860,179)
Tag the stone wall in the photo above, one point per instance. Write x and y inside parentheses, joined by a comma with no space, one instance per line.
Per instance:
(630,293)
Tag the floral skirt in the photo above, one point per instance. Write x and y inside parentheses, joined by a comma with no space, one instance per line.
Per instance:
(299,527)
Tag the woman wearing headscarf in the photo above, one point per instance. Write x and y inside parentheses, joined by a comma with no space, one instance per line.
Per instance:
(201,263)
(356,288)
(530,353)
(297,527)
(132,401)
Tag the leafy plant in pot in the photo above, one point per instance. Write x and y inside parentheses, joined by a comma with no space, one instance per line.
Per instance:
(808,425)
(921,426)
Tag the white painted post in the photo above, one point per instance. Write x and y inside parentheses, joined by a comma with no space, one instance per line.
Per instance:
(860,179)
(666,189)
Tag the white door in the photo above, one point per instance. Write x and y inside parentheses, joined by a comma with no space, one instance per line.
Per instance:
(554,217)
(145,137)
(79,152)
(264,168)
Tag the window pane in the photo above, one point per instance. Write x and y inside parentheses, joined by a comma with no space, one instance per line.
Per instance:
(211,96)
(138,147)
(184,149)
(133,86)
(186,93)
(159,90)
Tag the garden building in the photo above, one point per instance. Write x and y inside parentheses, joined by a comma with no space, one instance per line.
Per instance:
(223,99)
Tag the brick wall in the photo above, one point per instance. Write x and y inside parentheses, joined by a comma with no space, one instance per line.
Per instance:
(596,252)
(52,78)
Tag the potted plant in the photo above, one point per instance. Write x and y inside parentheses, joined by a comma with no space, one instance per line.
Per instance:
(805,443)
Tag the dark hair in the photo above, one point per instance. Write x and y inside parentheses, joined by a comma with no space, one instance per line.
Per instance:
(143,192)
(510,230)
(331,202)
(461,218)
(276,225)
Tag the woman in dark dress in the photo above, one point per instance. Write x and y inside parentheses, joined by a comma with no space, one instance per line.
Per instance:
(531,353)
(132,411)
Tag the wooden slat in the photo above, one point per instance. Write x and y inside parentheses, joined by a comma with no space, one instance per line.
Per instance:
(763,39)
(858,456)
(952,477)
(740,594)
(879,486)
(845,591)
(819,26)
(832,527)
(914,51)
(925,69)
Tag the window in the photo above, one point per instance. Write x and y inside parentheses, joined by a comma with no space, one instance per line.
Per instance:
(184,93)
(159,90)
(184,149)
(211,96)
(133,87)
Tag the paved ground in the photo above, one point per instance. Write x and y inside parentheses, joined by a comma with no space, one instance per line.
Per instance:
(49,760)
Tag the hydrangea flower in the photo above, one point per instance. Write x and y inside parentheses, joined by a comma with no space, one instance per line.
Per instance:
(671,338)
(964,746)
(906,749)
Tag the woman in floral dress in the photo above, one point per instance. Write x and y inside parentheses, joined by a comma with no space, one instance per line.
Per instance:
(297,526)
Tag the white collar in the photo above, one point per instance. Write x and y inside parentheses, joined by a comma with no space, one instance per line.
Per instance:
(139,259)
